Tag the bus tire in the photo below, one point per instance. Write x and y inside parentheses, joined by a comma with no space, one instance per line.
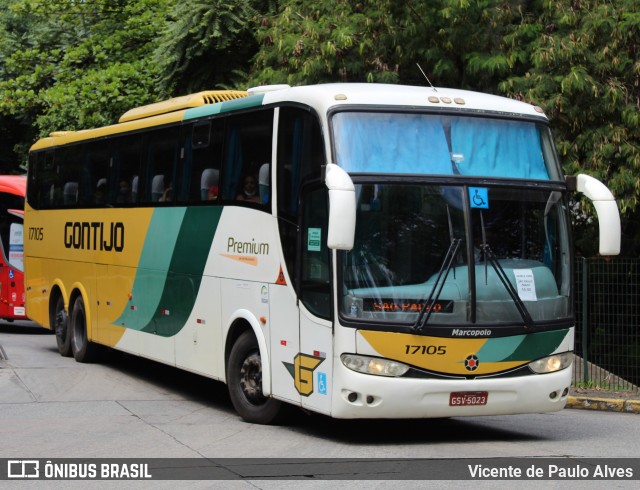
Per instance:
(82,349)
(60,321)
(244,382)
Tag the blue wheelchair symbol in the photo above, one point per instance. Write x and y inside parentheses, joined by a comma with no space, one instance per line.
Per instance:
(322,383)
(11,274)
(479,197)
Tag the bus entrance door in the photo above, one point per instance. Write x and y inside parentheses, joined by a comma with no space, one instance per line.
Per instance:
(316,341)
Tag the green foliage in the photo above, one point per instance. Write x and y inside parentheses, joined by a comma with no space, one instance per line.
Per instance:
(206,45)
(584,72)
(71,65)
(312,42)
(457,43)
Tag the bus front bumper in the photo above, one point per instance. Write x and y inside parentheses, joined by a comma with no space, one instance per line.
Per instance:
(357,395)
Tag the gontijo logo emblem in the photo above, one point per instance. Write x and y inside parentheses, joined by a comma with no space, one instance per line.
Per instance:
(302,371)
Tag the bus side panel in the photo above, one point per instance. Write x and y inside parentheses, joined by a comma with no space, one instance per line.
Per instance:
(248,301)
(198,345)
(70,277)
(142,316)
(37,289)
(114,288)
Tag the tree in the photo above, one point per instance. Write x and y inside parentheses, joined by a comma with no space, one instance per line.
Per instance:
(457,43)
(207,44)
(584,71)
(323,41)
(72,65)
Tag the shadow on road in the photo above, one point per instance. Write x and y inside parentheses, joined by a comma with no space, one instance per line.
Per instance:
(214,394)
(23,327)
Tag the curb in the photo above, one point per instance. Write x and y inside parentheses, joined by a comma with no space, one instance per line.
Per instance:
(604,404)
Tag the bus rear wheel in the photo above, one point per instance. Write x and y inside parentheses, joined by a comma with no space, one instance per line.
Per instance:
(60,321)
(82,349)
(244,380)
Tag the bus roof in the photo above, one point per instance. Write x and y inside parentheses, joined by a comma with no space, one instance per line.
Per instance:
(322,98)
(13,184)
(326,96)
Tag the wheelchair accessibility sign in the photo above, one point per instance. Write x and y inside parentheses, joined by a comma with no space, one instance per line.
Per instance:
(479,197)
(322,383)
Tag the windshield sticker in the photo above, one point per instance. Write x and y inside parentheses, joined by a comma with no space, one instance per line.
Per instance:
(314,239)
(479,197)
(526,284)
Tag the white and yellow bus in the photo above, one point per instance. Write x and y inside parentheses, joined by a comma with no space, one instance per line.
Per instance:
(358,250)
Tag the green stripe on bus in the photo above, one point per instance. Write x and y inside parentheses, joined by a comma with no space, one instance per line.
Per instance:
(538,345)
(221,107)
(182,283)
(155,260)
(494,349)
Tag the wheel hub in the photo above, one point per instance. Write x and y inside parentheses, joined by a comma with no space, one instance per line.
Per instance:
(251,379)
(61,323)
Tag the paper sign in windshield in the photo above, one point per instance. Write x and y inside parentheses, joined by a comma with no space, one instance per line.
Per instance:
(526,284)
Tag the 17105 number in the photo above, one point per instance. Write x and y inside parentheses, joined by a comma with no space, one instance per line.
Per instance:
(427,350)
(36,233)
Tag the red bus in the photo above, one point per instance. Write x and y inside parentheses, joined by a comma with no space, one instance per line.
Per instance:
(12,191)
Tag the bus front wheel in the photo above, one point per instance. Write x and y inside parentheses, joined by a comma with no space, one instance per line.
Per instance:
(60,322)
(244,380)
(82,349)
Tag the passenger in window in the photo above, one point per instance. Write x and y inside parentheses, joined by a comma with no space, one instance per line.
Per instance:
(249,190)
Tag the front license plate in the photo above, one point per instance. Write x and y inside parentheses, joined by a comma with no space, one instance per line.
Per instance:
(466,398)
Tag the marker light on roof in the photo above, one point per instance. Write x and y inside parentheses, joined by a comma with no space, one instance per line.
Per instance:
(446,100)
(434,99)
(459,101)
(340,97)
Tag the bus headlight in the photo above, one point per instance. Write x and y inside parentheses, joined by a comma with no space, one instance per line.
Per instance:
(552,363)
(373,365)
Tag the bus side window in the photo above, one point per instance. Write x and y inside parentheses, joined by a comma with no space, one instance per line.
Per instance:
(43,181)
(300,159)
(126,168)
(202,164)
(315,285)
(161,159)
(97,159)
(248,145)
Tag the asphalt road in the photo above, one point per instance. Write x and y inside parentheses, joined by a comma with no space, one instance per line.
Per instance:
(125,407)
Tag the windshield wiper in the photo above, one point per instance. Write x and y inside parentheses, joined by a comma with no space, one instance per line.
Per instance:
(449,257)
(522,309)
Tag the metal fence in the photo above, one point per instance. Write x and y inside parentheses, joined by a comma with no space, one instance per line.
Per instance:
(608,324)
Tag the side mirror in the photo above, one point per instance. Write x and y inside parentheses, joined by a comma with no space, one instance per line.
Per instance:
(607,211)
(342,208)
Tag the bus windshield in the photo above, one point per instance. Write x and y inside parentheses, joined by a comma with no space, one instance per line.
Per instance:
(462,254)
(434,144)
